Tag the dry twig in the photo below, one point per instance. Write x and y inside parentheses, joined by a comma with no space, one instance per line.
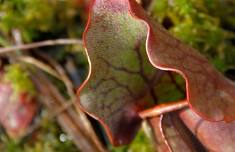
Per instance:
(40,65)
(40,44)
(69,120)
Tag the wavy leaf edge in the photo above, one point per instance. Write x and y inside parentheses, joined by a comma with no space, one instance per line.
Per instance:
(132,4)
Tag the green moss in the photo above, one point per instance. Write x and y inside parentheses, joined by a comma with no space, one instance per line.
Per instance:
(19,80)
(207,25)
(39,16)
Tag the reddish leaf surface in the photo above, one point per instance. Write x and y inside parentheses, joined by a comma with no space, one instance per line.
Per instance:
(16,114)
(160,140)
(215,136)
(120,74)
(208,92)
(172,135)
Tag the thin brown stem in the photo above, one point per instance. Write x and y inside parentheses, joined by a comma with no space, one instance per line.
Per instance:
(163,108)
(40,65)
(40,44)
(63,76)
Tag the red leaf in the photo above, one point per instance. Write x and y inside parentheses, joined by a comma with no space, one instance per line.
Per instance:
(209,93)
(172,135)
(113,38)
(120,77)
(215,136)
(161,143)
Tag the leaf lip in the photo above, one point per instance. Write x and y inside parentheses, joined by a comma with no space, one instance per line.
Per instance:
(163,135)
(92,2)
(148,54)
(132,4)
(106,127)
(113,141)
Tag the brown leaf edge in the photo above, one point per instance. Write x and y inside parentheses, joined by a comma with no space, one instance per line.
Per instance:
(171,135)
(208,92)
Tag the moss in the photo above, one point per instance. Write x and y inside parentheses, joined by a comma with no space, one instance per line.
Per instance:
(203,24)
(19,80)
